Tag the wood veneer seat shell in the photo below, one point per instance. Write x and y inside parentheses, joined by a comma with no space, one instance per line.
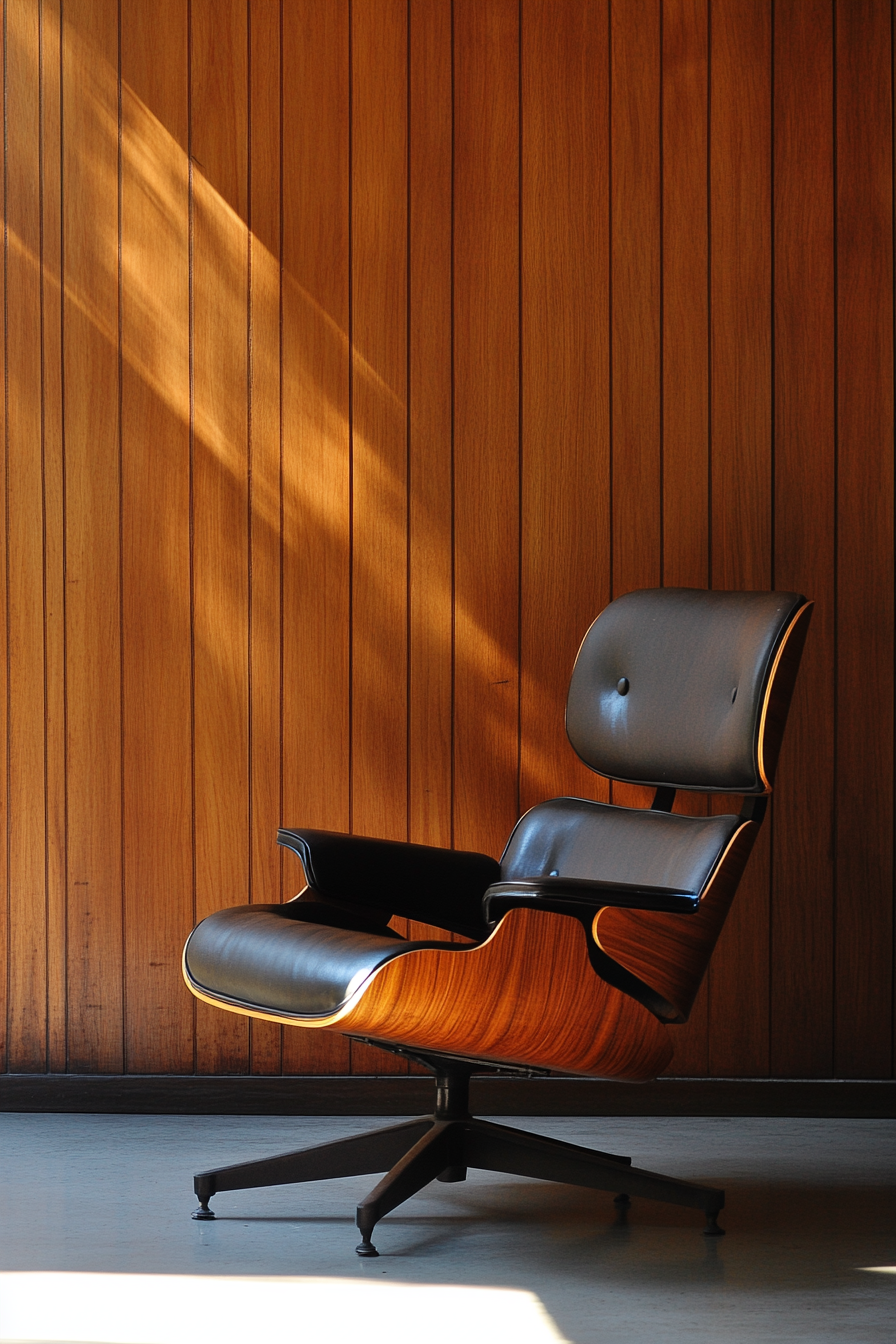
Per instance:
(527,995)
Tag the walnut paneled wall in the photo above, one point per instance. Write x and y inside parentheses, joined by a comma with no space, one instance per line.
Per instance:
(356,353)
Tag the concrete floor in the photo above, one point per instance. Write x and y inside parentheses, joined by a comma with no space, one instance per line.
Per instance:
(97,1243)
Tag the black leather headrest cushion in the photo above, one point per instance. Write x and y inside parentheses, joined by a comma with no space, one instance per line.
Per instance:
(669,687)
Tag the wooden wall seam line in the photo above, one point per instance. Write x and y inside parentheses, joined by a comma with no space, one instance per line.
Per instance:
(6,696)
(351,424)
(43,495)
(520,355)
(453,735)
(408,309)
(611,556)
(835,839)
(64,518)
(661,298)
(192,367)
(770,824)
(893,613)
(710,577)
(121,623)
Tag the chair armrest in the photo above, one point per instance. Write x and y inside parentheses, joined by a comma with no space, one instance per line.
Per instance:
(576,893)
(437,886)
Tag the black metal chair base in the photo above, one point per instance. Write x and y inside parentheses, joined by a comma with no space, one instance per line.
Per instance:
(442,1147)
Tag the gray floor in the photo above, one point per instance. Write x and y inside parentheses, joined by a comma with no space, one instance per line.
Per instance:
(811,1221)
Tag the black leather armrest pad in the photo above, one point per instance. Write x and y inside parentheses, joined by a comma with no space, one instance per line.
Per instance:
(437,886)
(577,891)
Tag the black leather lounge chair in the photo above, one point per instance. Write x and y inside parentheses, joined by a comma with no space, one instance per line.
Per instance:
(590,936)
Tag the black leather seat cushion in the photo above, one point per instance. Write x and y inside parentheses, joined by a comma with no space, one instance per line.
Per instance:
(282,959)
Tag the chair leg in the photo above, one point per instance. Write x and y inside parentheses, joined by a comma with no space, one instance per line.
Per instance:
(497,1148)
(439,1149)
(356,1156)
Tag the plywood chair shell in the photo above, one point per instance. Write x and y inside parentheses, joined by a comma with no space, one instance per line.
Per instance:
(527,995)
(670,952)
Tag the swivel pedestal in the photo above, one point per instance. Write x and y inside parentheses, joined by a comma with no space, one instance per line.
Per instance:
(441,1147)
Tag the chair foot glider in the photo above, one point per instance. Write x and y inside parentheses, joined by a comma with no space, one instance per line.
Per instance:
(589,939)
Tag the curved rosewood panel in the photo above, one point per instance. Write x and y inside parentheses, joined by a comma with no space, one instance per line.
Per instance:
(671,952)
(526,996)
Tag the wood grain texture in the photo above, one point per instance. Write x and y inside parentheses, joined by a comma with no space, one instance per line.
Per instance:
(265,613)
(93,535)
(742,153)
(685,363)
(430,429)
(26,820)
(315,502)
(805,509)
(486,422)
(156,608)
(635,311)
(565,536)
(4,641)
(379,430)
(685,270)
(219,433)
(53,563)
(379,417)
(864,655)
(671,952)
(635,316)
(527,995)
(430,453)
(741,499)
(740,203)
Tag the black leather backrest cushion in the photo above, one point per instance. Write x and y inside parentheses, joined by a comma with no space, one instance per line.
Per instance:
(669,685)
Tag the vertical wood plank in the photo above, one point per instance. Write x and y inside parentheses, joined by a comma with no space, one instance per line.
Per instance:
(316,477)
(219,148)
(635,296)
(487,422)
(685,360)
(54,530)
(635,310)
(26,818)
(864,795)
(685,333)
(430,429)
(4,643)
(431,443)
(93,532)
(155,316)
(802,891)
(379,231)
(264,467)
(565,536)
(741,504)
(379,418)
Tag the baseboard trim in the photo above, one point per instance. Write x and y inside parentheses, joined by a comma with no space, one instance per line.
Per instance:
(217,1095)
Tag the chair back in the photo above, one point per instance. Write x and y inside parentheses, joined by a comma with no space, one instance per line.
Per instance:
(686,689)
(673,687)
